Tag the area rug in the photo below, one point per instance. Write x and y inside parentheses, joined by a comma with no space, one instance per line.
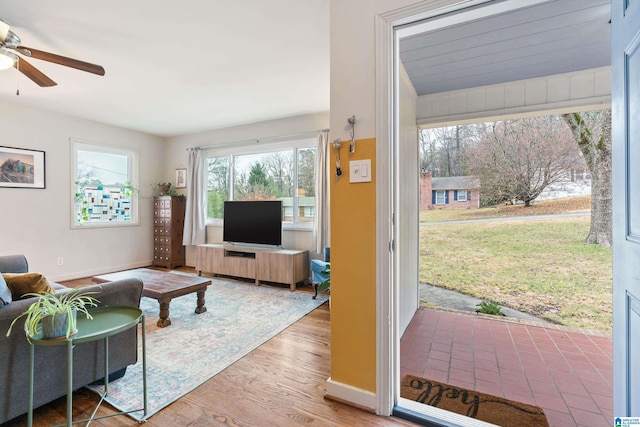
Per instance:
(492,409)
(195,347)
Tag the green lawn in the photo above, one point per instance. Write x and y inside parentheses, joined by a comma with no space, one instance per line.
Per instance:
(542,267)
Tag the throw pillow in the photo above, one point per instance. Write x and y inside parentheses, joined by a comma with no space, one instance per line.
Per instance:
(5,292)
(25,283)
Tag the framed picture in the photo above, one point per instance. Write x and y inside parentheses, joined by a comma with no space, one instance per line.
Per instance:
(21,168)
(181,178)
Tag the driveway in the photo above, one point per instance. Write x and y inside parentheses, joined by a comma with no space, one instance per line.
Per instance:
(508,218)
(451,299)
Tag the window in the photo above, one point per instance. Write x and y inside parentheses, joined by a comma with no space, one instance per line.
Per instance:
(278,172)
(440,197)
(288,213)
(104,183)
(462,195)
(217,185)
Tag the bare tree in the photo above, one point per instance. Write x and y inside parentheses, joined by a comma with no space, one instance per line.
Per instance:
(447,156)
(442,149)
(279,169)
(218,174)
(427,148)
(592,132)
(306,171)
(517,159)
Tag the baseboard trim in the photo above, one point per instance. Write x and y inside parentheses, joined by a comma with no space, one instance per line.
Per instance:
(349,395)
(90,273)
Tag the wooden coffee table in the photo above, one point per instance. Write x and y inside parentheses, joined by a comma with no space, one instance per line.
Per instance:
(163,287)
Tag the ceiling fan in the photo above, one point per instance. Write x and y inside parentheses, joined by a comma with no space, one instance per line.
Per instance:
(10,43)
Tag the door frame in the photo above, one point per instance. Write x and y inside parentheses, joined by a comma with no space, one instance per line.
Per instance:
(388,27)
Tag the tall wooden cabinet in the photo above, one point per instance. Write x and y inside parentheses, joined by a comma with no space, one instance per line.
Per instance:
(168,226)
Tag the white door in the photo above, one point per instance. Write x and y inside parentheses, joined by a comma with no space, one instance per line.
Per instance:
(625,61)
(408,201)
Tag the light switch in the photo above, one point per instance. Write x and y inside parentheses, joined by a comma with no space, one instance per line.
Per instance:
(360,170)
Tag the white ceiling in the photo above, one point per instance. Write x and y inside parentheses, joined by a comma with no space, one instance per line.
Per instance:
(554,37)
(175,68)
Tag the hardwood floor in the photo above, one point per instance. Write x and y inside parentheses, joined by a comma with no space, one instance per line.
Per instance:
(281,383)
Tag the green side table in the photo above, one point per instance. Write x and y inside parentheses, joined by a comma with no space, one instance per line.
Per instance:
(106,322)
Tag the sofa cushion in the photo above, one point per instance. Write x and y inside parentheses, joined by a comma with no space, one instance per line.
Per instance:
(25,283)
(5,292)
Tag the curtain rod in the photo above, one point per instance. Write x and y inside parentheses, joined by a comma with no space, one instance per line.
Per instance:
(259,140)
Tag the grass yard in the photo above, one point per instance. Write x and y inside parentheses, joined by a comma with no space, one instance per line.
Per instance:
(542,267)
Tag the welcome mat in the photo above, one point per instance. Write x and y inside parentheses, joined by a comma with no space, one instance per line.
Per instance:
(492,409)
(239,318)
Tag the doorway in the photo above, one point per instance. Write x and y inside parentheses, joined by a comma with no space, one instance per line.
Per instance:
(536,264)
(398,25)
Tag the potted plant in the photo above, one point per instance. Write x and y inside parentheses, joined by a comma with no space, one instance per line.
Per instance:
(166,189)
(55,314)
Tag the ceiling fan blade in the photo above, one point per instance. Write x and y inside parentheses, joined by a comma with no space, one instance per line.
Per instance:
(4,30)
(33,73)
(61,60)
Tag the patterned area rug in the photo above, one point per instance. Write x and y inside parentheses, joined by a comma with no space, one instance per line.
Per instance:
(195,347)
(492,409)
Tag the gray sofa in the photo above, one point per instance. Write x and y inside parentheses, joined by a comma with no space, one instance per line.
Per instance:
(50,362)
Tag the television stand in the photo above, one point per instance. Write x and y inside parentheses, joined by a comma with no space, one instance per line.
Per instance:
(240,254)
(260,264)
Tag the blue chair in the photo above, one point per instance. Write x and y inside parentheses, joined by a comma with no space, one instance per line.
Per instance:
(320,273)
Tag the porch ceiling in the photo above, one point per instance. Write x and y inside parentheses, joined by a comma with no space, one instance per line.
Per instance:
(554,37)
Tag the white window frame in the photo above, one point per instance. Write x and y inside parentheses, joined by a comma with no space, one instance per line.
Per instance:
(132,175)
(243,150)
(444,197)
(465,198)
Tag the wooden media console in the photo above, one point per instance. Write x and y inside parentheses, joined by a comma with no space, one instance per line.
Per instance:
(260,264)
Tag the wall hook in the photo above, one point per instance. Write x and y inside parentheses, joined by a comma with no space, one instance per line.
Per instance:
(352,145)
(337,144)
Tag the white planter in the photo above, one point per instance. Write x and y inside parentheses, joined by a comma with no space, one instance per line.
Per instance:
(58,327)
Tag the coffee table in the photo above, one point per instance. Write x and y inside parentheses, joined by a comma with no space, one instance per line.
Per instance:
(163,287)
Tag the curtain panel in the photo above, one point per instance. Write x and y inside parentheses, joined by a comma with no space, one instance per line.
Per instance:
(321,229)
(195,231)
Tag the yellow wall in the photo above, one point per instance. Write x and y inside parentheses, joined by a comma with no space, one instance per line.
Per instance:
(353,91)
(353,272)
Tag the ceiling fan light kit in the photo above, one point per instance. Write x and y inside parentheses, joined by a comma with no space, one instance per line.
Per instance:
(7,59)
(10,43)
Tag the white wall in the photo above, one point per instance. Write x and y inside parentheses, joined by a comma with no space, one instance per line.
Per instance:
(176,157)
(353,78)
(563,92)
(37,222)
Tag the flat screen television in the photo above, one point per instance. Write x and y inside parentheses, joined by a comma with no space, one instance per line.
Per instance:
(253,222)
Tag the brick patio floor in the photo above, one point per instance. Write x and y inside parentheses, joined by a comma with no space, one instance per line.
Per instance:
(568,372)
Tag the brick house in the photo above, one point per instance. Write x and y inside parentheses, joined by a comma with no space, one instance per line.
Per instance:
(451,192)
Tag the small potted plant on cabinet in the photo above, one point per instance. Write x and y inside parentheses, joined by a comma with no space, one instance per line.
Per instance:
(55,314)
(166,189)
